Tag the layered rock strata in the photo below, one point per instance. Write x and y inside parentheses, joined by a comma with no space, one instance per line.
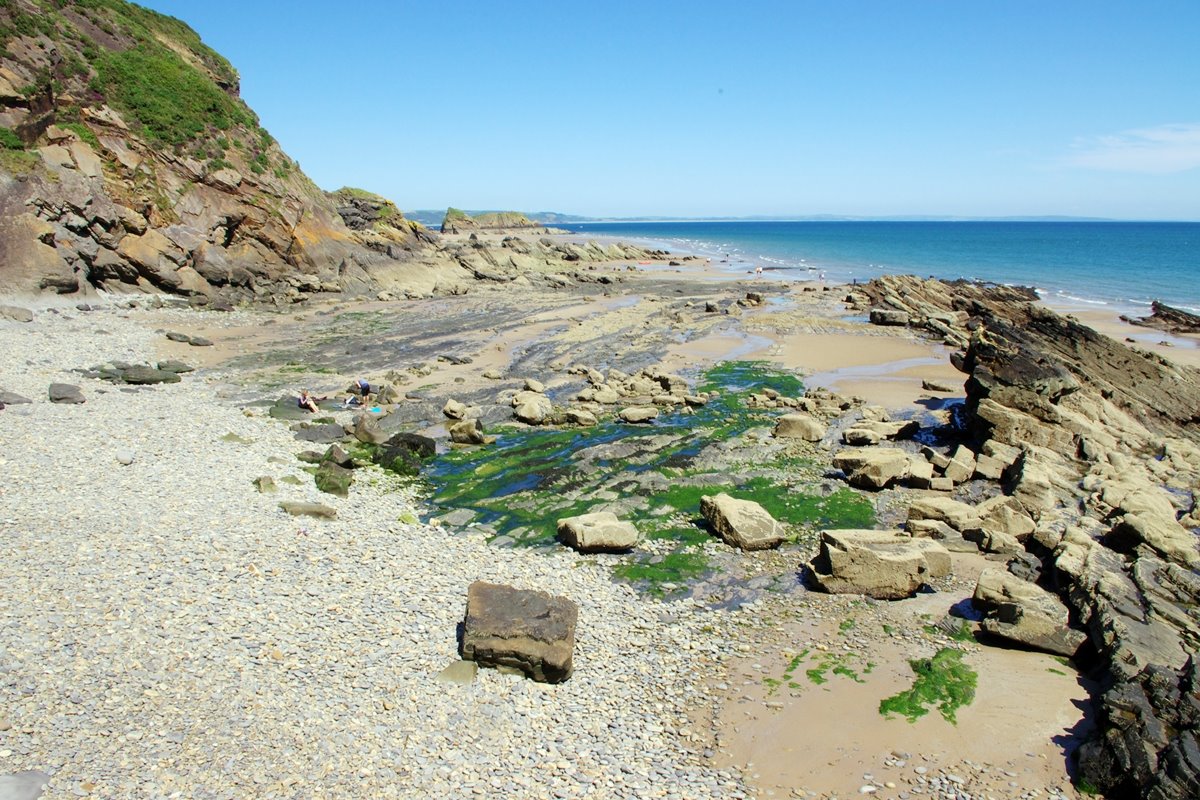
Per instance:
(1103,452)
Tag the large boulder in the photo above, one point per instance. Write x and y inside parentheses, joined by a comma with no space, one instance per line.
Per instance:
(799,426)
(873,467)
(467,431)
(741,523)
(532,408)
(638,414)
(531,631)
(885,565)
(598,532)
(1025,613)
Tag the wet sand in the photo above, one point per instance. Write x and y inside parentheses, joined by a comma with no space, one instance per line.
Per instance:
(829,739)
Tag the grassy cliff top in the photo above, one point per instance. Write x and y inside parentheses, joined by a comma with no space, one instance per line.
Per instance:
(168,86)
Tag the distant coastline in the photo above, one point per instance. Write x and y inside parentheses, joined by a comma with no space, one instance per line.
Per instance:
(1120,264)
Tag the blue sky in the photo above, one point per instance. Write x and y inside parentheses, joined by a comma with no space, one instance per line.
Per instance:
(615,108)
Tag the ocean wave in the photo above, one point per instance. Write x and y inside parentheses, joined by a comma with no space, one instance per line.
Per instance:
(1091,301)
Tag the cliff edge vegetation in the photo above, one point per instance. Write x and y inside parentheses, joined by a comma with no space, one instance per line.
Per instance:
(129,162)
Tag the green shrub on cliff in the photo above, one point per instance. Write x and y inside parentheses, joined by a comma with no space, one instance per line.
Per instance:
(9,140)
(173,101)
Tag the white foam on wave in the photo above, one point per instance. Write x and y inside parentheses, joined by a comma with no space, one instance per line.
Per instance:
(1091,301)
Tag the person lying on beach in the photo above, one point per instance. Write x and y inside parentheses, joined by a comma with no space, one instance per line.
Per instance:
(307,401)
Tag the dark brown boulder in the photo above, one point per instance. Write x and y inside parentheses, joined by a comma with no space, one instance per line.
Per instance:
(527,630)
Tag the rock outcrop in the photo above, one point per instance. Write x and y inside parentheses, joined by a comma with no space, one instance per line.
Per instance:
(1095,447)
(132,165)
(459,221)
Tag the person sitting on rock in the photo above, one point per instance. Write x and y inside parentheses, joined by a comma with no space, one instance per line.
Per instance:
(307,401)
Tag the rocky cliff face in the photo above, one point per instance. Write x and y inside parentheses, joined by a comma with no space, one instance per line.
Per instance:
(129,163)
(1110,470)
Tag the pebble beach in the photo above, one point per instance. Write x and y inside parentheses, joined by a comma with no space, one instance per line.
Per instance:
(168,631)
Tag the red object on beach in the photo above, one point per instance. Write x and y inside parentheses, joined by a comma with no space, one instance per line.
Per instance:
(643,262)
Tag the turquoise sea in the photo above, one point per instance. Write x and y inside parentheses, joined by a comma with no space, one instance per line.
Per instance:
(1123,265)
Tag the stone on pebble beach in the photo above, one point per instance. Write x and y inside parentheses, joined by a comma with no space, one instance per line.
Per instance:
(528,630)
(598,532)
(142,375)
(299,509)
(26,785)
(460,672)
(66,393)
(16,313)
(333,479)
(741,523)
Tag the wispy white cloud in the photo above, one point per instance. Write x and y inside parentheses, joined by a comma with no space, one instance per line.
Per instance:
(1160,150)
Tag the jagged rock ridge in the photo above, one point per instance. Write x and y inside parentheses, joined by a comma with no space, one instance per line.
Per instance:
(1109,469)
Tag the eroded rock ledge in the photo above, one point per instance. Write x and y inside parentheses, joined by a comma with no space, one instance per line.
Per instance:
(1108,469)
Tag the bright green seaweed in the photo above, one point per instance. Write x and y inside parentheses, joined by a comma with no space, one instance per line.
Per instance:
(943,680)
(654,475)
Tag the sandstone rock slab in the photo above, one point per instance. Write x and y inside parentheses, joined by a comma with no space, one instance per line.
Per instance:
(598,532)
(741,523)
(885,565)
(528,630)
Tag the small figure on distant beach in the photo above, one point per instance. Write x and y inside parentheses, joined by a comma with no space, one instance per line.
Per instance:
(306,401)
(758,271)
